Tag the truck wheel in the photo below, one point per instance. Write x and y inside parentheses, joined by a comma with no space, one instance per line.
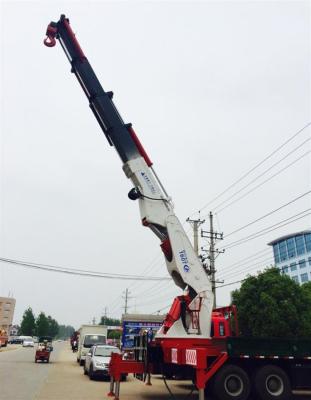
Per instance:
(81,362)
(231,383)
(272,383)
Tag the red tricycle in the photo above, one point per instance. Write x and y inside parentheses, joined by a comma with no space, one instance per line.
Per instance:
(44,349)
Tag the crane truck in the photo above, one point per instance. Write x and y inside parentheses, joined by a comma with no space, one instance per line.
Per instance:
(194,339)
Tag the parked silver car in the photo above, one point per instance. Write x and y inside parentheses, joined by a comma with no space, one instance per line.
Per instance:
(97,360)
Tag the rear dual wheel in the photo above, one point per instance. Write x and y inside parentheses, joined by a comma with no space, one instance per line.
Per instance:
(231,383)
(272,383)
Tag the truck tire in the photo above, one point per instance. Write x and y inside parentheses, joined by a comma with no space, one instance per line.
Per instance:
(81,362)
(272,383)
(231,383)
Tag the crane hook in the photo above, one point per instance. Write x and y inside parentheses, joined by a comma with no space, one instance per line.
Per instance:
(51,33)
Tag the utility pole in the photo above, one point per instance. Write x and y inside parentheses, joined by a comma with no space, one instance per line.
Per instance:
(126,298)
(105,315)
(213,237)
(195,225)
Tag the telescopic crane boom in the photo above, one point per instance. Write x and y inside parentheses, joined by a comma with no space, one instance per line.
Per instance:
(190,313)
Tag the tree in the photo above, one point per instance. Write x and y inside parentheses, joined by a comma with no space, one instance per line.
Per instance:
(42,324)
(272,304)
(53,327)
(114,334)
(109,321)
(28,324)
(65,331)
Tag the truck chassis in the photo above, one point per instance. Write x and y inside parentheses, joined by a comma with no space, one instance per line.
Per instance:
(229,368)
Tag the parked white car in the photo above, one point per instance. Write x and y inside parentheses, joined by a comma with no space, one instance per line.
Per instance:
(97,360)
(28,343)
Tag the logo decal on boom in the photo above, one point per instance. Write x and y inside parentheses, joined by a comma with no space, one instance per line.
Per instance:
(148,182)
(184,260)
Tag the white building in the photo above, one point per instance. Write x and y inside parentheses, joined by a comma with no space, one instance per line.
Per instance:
(292,255)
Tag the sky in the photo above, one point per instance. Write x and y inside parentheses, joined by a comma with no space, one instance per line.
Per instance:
(212,88)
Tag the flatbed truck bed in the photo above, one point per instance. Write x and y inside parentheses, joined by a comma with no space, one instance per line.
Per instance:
(281,347)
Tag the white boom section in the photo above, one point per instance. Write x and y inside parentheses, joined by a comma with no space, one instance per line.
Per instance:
(185,267)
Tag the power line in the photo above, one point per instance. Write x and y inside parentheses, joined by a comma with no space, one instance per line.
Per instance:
(261,174)
(244,261)
(265,181)
(156,288)
(269,213)
(80,272)
(148,268)
(132,285)
(152,302)
(231,283)
(255,167)
(168,292)
(161,309)
(247,267)
(258,234)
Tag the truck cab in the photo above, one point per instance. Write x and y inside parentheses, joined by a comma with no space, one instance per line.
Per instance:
(224,322)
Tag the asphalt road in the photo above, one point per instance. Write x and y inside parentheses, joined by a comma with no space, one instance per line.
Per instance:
(20,377)
(63,379)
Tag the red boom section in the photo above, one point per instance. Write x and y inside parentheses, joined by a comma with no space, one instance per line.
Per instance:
(140,147)
(175,311)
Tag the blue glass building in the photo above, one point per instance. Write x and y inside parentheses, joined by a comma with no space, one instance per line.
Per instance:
(292,255)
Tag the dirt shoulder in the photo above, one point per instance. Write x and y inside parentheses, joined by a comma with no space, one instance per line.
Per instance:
(67,381)
(9,347)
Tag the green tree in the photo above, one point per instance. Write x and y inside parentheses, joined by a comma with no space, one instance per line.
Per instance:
(28,324)
(114,334)
(109,321)
(272,304)
(65,331)
(53,327)
(42,324)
